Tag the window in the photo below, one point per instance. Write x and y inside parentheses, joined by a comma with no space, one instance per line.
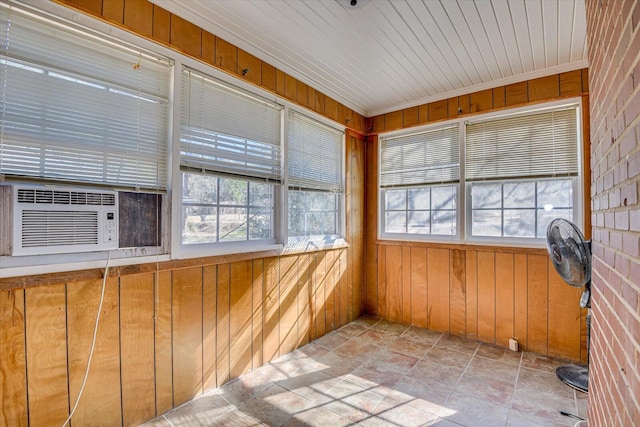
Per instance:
(315,159)
(520,172)
(80,108)
(230,157)
(218,209)
(419,175)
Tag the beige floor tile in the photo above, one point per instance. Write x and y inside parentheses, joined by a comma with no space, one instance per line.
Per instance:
(500,354)
(409,347)
(426,336)
(472,412)
(453,342)
(378,373)
(317,417)
(543,363)
(391,328)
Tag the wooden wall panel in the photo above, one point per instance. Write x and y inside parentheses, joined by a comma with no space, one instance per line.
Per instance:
(438,289)
(138,15)
(161,25)
(257,318)
(223,324)
(226,56)
(537,307)
(371,285)
(209,328)
(406,284)
(114,11)
(319,296)
(520,324)
(304,299)
(137,348)
(250,67)
(330,290)
(563,311)
(504,298)
(457,291)
(185,36)
(471,295)
(240,297)
(288,303)
(186,308)
(393,282)
(271,310)
(46,327)
(486,296)
(382,281)
(101,401)
(163,343)
(13,380)
(419,287)
(343,288)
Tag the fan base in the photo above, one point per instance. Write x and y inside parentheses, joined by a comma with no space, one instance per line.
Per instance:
(574,376)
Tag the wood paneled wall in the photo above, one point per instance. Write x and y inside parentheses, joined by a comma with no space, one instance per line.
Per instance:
(484,294)
(563,85)
(481,292)
(163,337)
(148,20)
(172,330)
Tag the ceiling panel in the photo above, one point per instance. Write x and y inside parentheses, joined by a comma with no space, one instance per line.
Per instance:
(383,55)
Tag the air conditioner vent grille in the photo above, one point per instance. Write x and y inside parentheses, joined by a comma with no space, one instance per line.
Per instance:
(59,228)
(58,197)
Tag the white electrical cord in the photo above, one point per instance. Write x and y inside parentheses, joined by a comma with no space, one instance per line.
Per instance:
(93,342)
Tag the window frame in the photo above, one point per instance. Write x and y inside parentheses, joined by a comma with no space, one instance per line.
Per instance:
(464,206)
(303,243)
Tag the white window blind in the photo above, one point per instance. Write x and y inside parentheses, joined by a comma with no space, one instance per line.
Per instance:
(226,130)
(75,107)
(314,154)
(430,157)
(541,144)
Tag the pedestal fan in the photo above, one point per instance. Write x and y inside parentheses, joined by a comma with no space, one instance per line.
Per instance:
(571,256)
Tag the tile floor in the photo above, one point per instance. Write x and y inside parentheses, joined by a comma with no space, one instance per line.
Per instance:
(373,372)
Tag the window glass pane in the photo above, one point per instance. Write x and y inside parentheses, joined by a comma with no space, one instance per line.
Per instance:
(545,217)
(419,198)
(395,222)
(519,223)
(233,224)
(419,222)
(198,224)
(396,199)
(520,195)
(553,194)
(201,189)
(486,196)
(260,223)
(233,192)
(443,197)
(312,213)
(260,194)
(443,222)
(486,222)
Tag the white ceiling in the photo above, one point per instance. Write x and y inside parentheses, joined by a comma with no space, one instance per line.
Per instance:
(384,55)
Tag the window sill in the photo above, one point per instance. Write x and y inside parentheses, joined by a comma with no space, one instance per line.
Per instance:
(301,246)
(468,246)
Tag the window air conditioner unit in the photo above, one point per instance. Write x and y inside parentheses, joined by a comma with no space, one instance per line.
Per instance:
(62,220)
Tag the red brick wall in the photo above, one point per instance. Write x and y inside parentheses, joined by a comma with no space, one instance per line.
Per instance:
(613,28)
